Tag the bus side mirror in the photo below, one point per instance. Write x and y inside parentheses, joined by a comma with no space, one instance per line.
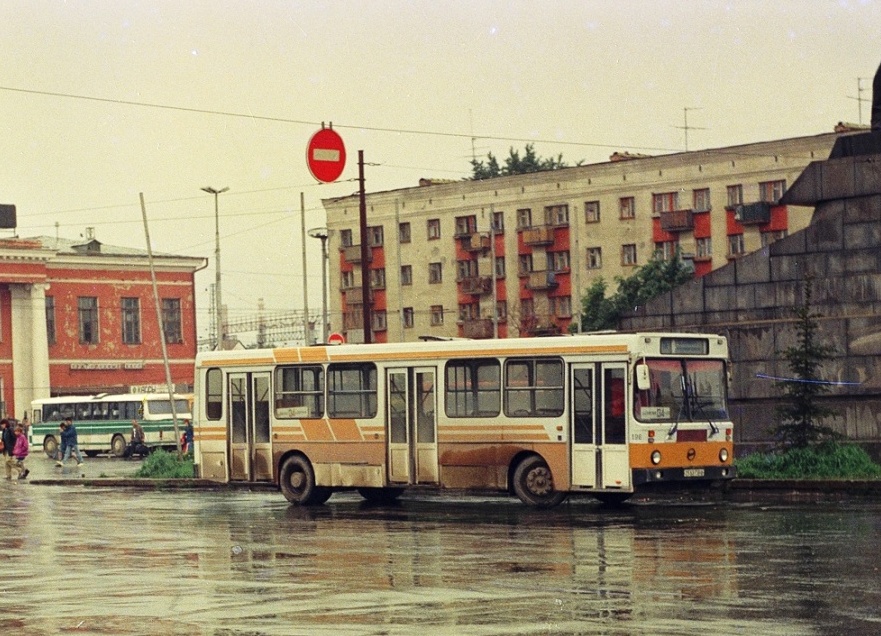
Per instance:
(643,378)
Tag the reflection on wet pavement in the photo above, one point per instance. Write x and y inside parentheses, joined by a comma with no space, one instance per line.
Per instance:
(116,561)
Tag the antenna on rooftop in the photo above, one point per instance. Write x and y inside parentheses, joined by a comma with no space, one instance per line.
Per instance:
(686,127)
(859,98)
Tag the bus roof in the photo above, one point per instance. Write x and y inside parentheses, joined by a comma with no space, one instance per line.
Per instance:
(599,344)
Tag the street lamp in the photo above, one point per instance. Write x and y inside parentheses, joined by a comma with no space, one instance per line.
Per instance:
(217,300)
(322,233)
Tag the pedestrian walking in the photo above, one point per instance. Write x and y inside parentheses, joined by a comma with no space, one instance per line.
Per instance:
(69,443)
(7,438)
(136,444)
(188,437)
(20,452)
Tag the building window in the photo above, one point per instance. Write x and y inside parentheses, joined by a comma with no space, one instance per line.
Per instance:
(524,218)
(735,245)
(561,306)
(557,214)
(131,321)
(346,238)
(594,257)
(87,308)
(353,319)
(403,232)
(433,229)
(465,269)
(376,236)
(469,311)
(377,278)
(408,318)
(666,250)
(771,191)
(704,247)
(665,202)
(627,208)
(501,310)
(558,261)
(437,315)
(466,225)
(524,264)
(701,200)
(406,274)
(378,320)
(500,267)
(347,280)
(498,222)
(435,273)
(50,319)
(772,237)
(171,320)
(735,195)
(591,211)
(527,308)
(628,254)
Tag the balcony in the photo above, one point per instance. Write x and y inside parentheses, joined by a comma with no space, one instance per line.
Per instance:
(475,242)
(540,235)
(753,213)
(352,253)
(535,326)
(677,221)
(476,285)
(355,296)
(542,280)
(479,328)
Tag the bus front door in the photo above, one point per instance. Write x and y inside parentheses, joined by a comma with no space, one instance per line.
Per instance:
(412,426)
(600,456)
(249,442)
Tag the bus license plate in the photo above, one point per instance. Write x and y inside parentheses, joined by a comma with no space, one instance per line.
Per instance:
(693,472)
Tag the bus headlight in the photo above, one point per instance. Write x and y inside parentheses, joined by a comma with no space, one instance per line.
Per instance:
(656,457)
(723,455)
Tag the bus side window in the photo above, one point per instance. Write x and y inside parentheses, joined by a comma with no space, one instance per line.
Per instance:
(213,394)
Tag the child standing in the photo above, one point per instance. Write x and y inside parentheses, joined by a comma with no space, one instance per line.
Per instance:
(20,452)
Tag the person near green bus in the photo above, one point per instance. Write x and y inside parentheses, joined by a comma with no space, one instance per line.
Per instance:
(69,443)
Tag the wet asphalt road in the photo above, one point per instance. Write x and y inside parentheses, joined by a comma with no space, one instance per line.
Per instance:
(124,561)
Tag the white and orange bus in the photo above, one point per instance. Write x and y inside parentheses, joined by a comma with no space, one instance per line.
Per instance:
(601,414)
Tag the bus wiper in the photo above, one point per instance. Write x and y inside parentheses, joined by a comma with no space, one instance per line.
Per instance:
(697,407)
(683,385)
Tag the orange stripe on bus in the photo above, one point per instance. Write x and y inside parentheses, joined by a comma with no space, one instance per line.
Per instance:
(317,430)
(345,430)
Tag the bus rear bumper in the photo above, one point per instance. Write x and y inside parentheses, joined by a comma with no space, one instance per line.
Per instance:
(680,475)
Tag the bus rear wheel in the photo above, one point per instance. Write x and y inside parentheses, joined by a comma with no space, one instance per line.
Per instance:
(381,495)
(297,482)
(117,446)
(50,447)
(534,483)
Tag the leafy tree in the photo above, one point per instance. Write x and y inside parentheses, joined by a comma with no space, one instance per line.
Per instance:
(800,412)
(515,164)
(652,279)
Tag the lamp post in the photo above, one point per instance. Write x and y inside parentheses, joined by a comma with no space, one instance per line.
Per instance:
(217,300)
(322,233)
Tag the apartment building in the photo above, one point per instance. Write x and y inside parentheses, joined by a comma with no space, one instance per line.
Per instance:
(512,256)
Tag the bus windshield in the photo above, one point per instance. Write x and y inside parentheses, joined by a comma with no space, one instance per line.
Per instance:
(683,391)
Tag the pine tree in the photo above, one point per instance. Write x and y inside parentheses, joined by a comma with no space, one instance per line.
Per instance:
(801,411)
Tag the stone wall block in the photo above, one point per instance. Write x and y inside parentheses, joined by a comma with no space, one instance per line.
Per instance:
(753,268)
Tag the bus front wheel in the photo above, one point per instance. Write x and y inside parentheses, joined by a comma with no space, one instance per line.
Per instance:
(534,483)
(297,481)
(117,446)
(50,447)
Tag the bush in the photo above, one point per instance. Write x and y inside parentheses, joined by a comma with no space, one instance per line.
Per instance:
(163,465)
(830,460)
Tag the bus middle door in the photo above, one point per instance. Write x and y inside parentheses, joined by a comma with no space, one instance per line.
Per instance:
(614,454)
(250,448)
(412,425)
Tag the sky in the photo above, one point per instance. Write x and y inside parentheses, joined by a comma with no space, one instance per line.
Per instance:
(101,101)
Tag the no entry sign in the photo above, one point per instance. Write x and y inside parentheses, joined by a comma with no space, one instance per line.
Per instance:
(326,155)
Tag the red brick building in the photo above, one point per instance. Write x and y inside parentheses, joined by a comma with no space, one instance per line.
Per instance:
(80,317)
